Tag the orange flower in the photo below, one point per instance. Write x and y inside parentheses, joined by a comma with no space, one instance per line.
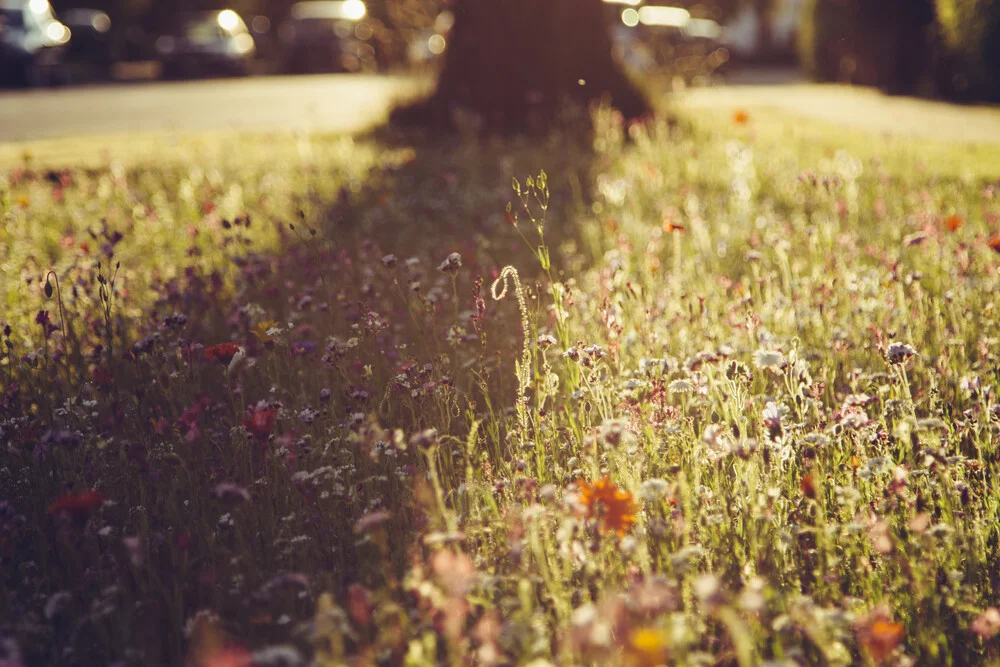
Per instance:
(953,222)
(741,117)
(808,486)
(613,508)
(994,242)
(222,353)
(77,504)
(879,635)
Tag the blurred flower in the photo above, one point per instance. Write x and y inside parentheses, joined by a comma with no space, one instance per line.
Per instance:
(390,261)
(359,604)
(613,508)
(953,222)
(231,492)
(451,264)
(424,439)
(77,504)
(266,331)
(260,420)
(741,117)
(647,647)
(133,545)
(808,486)
(371,520)
(994,242)
(878,634)
(987,624)
(454,570)
(899,352)
(769,359)
(223,353)
(102,377)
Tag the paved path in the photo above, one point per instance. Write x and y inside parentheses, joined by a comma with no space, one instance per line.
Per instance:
(335,103)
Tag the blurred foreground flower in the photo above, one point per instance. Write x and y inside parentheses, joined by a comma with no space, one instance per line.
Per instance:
(741,117)
(260,420)
(77,504)
(987,624)
(994,242)
(613,508)
(878,634)
(647,647)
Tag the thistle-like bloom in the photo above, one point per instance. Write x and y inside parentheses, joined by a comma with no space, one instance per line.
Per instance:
(613,509)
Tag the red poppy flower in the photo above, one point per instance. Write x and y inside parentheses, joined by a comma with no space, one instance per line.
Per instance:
(77,504)
(953,222)
(222,353)
(260,420)
(741,117)
(994,242)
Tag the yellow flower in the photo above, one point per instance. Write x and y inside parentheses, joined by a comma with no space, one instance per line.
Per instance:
(648,647)
(261,329)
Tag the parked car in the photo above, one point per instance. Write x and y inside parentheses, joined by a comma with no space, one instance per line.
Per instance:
(32,42)
(327,36)
(657,38)
(91,52)
(215,42)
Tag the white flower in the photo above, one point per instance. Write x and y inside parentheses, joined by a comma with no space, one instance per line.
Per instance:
(772,359)
(680,387)
(451,264)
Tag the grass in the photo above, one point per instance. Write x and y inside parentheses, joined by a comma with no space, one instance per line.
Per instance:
(721,394)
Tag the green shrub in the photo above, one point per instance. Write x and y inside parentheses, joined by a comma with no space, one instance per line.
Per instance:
(882,43)
(971,33)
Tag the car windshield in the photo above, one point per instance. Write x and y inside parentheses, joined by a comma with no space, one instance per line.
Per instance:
(12,17)
(204,31)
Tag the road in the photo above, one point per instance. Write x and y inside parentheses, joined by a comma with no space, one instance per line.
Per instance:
(333,103)
(350,103)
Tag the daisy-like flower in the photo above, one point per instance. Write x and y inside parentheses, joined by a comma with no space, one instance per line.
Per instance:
(612,508)
(390,261)
(266,331)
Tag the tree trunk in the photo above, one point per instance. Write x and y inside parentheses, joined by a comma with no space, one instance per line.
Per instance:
(516,62)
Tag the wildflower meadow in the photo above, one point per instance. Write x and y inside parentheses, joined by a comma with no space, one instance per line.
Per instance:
(718,390)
